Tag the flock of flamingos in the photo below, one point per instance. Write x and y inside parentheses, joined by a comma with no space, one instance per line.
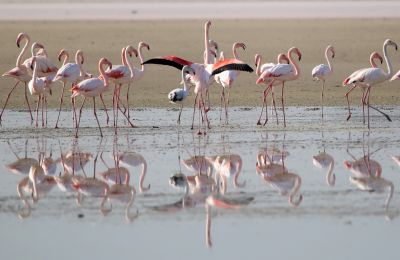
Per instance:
(39,74)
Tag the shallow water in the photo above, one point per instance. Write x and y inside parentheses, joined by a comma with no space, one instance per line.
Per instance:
(337,221)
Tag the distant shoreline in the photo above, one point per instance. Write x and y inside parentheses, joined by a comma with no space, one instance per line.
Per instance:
(177,10)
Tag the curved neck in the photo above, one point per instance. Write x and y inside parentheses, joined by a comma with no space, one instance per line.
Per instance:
(19,59)
(206,44)
(128,62)
(234,47)
(330,177)
(294,63)
(372,61)
(141,178)
(140,54)
(258,65)
(103,74)
(388,61)
(294,191)
(34,75)
(123,57)
(79,61)
(328,59)
(185,80)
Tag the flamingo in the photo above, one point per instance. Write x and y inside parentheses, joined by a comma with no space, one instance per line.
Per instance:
(226,78)
(136,73)
(91,88)
(322,71)
(38,87)
(372,76)
(70,73)
(322,161)
(260,68)
(374,55)
(45,66)
(282,73)
(203,72)
(20,73)
(121,74)
(178,95)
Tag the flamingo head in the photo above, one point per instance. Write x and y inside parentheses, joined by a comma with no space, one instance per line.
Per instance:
(260,80)
(283,59)
(332,50)
(189,70)
(144,45)
(213,53)
(376,55)
(105,61)
(62,53)
(79,53)
(239,45)
(207,24)
(129,49)
(257,59)
(33,61)
(348,165)
(390,42)
(213,44)
(20,37)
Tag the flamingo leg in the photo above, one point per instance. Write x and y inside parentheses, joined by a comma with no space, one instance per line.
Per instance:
(42,106)
(37,110)
(266,105)
(80,114)
(263,105)
(274,104)
(105,108)
(127,100)
(348,102)
(124,113)
(8,97)
(27,102)
(205,113)
(367,98)
(322,99)
(220,105)
(179,117)
(194,109)
(95,114)
(227,106)
(283,105)
(363,104)
(61,103)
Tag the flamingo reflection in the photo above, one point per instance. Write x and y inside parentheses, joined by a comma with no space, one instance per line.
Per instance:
(21,165)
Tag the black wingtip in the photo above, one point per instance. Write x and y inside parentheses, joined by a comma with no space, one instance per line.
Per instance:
(240,67)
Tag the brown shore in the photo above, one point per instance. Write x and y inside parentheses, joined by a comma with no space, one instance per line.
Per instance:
(353,39)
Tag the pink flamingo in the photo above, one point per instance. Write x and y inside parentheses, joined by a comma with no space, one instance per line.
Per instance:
(121,74)
(226,79)
(260,68)
(136,73)
(92,88)
(372,76)
(38,87)
(70,73)
(322,71)
(178,95)
(282,73)
(203,72)
(374,55)
(20,73)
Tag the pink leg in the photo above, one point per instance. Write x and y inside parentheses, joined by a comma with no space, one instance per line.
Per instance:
(274,105)
(105,108)
(222,97)
(283,105)
(322,98)
(266,105)
(367,98)
(61,103)
(127,100)
(8,97)
(95,115)
(348,102)
(194,109)
(179,117)
(263,104)
(227,106)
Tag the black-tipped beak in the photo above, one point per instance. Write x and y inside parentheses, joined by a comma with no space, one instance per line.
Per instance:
(299,58)
(31,65)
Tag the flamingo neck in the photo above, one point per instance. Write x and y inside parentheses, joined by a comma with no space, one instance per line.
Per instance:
(142,176)
(103,74)
(234,47)
(124,57)
(140,54)
(79,61)
(330,177)
(294,191)
(35,72)
(22,53)
(207,44)
(258,65)
(294,63)
(128,62)
(389,197)
(328,60)
(372,61)
(185,81)
(388,61)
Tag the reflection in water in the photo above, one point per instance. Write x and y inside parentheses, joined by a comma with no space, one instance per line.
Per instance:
(21,165)
(271,168)
(323,160)
(367,175)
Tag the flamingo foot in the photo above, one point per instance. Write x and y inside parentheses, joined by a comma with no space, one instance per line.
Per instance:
(258,122)
(348,117)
